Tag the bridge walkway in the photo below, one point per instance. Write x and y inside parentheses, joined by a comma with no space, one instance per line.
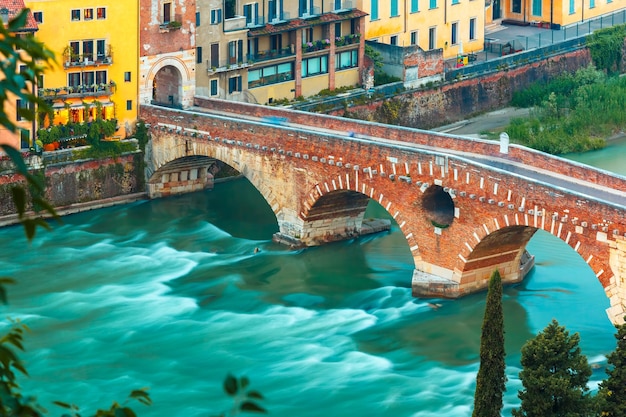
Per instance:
(568,184)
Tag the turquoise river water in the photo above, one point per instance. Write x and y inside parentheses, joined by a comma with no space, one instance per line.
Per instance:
(170,294)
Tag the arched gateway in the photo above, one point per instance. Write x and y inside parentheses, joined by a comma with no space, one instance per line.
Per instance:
(461,216)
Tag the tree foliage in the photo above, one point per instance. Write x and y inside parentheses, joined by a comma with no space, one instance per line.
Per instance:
(491,379)
(554,375)
(613,389)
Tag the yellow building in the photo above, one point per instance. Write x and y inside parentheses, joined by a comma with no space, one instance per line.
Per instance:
(96,46)
(555,13)
(456,26)
(25,129)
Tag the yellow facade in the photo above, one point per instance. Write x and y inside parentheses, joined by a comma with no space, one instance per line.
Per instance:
(96,47)
(558,13)
(455,26)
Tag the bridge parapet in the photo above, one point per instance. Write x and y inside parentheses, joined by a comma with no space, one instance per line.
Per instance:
(527,156)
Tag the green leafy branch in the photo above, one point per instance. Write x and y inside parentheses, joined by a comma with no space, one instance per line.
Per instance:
(244,400)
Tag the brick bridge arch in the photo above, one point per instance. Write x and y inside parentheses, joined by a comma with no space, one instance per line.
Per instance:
(305,174)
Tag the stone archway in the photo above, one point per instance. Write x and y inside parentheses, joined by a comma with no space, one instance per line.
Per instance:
(167,87)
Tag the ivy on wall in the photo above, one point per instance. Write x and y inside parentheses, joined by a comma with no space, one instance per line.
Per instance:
(606,47)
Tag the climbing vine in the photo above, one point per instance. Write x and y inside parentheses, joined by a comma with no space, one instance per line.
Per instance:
(606,47)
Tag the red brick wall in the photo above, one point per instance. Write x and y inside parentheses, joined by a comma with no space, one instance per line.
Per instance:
(278,155)
(422,137)
(153,41)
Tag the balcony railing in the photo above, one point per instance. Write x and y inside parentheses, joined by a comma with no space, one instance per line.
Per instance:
(79,91)
(341,5)
(227,67)
(274,18)
(312,12)
(272,54)
(84,61)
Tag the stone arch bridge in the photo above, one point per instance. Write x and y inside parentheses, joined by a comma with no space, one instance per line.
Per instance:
(465,207)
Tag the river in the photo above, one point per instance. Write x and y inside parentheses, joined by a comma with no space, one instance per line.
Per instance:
(170,294)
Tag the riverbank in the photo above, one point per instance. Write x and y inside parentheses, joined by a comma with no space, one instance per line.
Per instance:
(13,219)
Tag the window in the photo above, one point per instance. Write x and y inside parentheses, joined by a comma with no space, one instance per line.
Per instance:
(74,51)
(306,8)
(234,84)
(348,59)
(216,16)
(433,4)
(38,17)
(251,12)
(414,37)
(127,76)
(592,4)
(276,42)
(432,38)
(315,66)
(197,18)
(101,77)
(129,104)
(214,90)
(20,107)
(472,29)
(415,7)
(516,6)
(167,12)
(337,30)
(198,55)
(230,8)
(275,10)
(393,40)
(101,52)
(73,79)
(537,7)
(394,8)
(215,55)
(454,33)
(374,10)
(270,75)
(87,78)
(75,15)
(235,52)
(88,14)
(455,1)
(88,50)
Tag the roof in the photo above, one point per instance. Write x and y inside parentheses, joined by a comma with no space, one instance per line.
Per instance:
(300,23)
(14,7)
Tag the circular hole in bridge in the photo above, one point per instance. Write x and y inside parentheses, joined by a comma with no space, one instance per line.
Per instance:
(438,206)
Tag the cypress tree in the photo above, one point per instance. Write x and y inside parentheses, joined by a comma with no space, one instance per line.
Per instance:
(491,379)
(613,389)
(554,375)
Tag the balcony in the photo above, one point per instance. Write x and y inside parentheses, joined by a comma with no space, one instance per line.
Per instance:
(311,13)
(338,6)
(277,18)
(171,25)
(80,91)
(87,61)
(228,67)
(235,23)
(272,54)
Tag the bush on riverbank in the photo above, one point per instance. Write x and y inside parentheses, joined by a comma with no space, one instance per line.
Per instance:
(573,113)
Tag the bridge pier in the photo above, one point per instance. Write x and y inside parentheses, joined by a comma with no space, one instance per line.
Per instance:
(616,290)
(433,281)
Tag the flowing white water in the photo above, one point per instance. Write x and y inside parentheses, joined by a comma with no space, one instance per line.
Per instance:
(171,295)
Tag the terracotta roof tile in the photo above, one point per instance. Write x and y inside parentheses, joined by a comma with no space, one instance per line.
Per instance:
(16,6)
(294,24)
